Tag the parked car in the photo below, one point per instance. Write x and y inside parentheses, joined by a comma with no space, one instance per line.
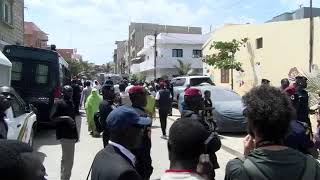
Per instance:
(21,119)
(181,83)
(38,76)
(228,109)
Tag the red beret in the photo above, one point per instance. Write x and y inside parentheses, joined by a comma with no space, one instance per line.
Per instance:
(192,92)
(290,90)
(136,89)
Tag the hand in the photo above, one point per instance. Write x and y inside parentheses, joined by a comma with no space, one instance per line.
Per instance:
(249,144)
(204,166)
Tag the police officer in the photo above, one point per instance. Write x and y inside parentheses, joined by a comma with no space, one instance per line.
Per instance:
(66,130)
(193,105)
(300,100)
(163,98)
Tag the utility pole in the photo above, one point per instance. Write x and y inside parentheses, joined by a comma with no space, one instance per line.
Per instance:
(311,37)
(155,56)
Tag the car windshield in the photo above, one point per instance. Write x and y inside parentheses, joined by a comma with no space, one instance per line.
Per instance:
(224,95)
(198,81)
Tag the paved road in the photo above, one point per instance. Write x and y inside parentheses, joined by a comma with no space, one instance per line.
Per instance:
(50,151)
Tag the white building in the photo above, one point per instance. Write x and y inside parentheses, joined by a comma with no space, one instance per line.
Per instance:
(171,47)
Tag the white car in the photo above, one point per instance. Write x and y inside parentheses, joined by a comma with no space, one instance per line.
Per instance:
(181,83)
(20,118)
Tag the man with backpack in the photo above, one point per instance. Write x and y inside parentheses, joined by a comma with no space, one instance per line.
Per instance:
(269,113)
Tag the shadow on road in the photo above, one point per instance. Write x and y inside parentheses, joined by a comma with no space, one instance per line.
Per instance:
(47,137)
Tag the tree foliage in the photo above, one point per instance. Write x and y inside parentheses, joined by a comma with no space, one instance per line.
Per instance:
(224,58)
(183,68)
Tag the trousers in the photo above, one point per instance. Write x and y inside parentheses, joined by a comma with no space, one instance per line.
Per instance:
(163,114)
(68,147)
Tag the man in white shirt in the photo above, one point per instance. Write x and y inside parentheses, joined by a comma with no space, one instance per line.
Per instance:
(125,99)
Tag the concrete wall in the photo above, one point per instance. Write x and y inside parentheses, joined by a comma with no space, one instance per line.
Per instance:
(13,34)
(285,46)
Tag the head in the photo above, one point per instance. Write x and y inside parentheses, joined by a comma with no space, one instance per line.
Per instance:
(87,83)
(96,82)
(122,87)
(193,99)
(108,92)
(301,82)
(74,81)
(126,127)
(285,83)
(265,82)
(18,161)
(186,141)
(207,94)
(94,92)
(269,112)
(162,85)
(67,92)
(138,96)
(4,103)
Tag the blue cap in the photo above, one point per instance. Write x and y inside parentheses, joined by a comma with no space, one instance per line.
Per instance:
(125,116)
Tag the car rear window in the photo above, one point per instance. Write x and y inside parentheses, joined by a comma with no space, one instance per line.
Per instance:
(198,81)
(179,82)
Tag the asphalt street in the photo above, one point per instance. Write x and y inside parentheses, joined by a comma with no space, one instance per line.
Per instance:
(49,150)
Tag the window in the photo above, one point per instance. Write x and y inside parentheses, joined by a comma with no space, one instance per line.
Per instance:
(42,72)
(180,82)
(7,12)
(16,71)
(196,53)
(17,107)
(224,75)
(177,53)
(259,43)
(198,81)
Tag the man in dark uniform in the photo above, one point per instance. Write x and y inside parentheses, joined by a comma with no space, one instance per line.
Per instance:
(66,130)
(193,105)
(76,95)
(163,98)
(138,97)
(105,108)
(300,100)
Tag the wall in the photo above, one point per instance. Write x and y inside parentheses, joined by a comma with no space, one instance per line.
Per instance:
(13,34)
(285,46)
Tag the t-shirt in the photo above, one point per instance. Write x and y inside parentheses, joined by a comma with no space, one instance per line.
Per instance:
(181,175)
(275,165)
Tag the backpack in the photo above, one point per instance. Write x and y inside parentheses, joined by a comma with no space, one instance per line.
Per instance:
(97,121)
(310,170)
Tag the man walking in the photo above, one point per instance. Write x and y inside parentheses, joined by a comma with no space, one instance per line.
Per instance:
(116,161)
(76,95)
(105,108)
(163,98)
(66,130)
(138,97)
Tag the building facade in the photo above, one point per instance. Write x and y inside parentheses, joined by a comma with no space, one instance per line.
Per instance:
(137,32)
(274,51)
(11,22)
(34,36)
(122,57)
(69,54)
(171,47)
(301,13)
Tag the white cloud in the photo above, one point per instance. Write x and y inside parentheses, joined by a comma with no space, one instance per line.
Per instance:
(93,26)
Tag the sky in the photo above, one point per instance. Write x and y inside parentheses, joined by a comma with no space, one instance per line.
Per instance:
(93,26)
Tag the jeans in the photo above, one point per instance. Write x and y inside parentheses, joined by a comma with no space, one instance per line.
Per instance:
(68,146)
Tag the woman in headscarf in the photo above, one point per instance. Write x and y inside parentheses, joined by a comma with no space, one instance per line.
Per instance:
(92,106)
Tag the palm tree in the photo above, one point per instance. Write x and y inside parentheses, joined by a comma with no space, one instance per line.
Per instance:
(183,68)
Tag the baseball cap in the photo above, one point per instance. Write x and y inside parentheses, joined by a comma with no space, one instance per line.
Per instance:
(192,92)
(125,116)
(136,89)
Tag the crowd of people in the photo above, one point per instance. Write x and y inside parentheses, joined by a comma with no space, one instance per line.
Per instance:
(280,143)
